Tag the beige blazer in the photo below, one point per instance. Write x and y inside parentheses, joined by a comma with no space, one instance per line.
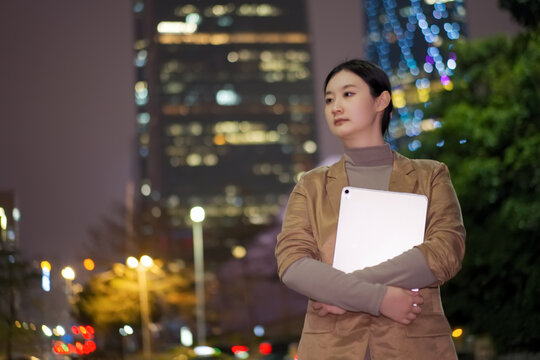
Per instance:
(309,229)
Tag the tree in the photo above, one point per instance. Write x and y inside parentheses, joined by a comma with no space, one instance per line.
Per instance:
(110,300)
(490,139)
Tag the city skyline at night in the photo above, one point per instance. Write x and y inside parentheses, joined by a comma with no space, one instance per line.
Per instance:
(68,129)
(103,105)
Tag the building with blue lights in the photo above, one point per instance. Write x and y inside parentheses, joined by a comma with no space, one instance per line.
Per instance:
(413,40)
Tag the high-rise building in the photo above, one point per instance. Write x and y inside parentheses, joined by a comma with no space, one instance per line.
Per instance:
(225,113)
(413,42)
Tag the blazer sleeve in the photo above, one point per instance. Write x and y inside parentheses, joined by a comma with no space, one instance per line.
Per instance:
(444,241)
(296,239)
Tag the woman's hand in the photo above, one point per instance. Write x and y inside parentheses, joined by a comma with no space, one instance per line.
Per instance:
(323,309)
(401,305)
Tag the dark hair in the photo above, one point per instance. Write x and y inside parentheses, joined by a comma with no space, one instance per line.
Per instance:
(376,79)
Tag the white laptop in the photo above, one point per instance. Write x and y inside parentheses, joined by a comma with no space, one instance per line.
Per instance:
(377,225)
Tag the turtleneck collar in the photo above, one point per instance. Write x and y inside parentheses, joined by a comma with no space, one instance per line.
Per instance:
(370,156)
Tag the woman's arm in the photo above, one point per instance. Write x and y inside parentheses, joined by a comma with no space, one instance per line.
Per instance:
(408,270)
(444,241)
(298,266)
(321,282)
(328,285)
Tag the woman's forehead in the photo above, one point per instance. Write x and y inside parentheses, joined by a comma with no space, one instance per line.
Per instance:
(342,79)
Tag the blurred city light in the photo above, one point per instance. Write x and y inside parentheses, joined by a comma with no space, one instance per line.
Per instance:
(177,27)
(59,331)
(265,348)
(16,214)
(240,351)
(126,330)
(132,262)
(457,333)
(146,261)
(46,275)
(68,273)
(258,330)
(3,219)
(89,264)
(239,251)
(186,336)
(197,214)
(204,350)
(46,330)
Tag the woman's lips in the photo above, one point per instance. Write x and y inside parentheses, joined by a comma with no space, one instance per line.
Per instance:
(338,122)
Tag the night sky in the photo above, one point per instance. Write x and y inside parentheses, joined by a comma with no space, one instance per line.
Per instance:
(67,114)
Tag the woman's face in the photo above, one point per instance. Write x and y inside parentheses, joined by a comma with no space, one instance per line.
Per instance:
(352,114)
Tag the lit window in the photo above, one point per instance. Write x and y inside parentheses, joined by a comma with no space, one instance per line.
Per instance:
(176,27)
(146,189)
(143,118)
(269,99)
(210,160)
(228,97)
(233,56)
(194,159)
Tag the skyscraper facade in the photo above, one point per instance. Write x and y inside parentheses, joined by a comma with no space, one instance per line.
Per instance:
(225,112)
(413,42)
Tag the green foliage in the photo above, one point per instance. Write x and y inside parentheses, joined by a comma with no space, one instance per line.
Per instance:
(111,299)
(491,134)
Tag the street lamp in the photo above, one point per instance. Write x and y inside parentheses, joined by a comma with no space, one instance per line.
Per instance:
(197,215)
(145,263)
(69,274)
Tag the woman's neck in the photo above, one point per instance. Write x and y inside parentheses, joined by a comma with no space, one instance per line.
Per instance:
(365,140)
(370,155)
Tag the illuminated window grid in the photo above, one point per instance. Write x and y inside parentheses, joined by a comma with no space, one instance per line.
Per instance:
(238,38)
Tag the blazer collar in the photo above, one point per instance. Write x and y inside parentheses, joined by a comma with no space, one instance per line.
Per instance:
(337,180)
(402,179)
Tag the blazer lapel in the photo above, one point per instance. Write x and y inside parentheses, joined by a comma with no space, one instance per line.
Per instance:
(337,180)
(403,177)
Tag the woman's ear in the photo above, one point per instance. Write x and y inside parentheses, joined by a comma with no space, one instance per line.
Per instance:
(382,101)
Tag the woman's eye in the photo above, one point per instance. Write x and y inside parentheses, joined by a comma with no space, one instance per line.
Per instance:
(348,93)
(328,101)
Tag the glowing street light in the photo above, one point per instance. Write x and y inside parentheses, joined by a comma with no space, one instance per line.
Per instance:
(142,265)
(197,216)
(68,273)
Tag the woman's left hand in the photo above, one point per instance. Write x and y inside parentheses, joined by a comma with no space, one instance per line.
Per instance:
(323,309)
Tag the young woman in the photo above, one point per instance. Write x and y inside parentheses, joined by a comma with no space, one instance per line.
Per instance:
(370,313)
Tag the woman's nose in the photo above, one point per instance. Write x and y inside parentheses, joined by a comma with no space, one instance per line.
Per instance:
(336,107)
